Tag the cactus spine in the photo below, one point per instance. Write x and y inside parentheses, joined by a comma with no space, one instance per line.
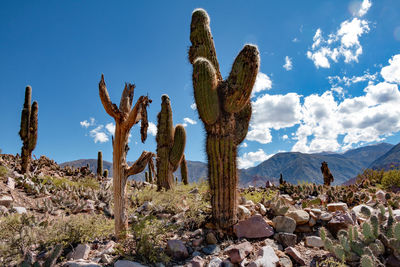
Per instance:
(184,171)
(125,116)
(28,130)
(225,109)
(170,145)
(99,163)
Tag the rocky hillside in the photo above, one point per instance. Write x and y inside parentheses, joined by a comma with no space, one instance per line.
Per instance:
(389,160)
(294,166)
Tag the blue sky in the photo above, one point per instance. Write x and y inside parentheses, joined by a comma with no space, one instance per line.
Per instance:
(328,80)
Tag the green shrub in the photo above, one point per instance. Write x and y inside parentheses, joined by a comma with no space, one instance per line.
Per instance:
(391,178)
(259,196)
(3,171)
(372,176)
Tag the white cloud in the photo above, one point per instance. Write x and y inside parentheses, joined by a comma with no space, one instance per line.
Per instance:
(152,130)
(348,81)
(110,127)
(193,106)
(343,43)
(285,137)
(86,123)
(363,8)
(99,135)
(189,120)
(263,82)
(288,63)
(295,40)
(250,159)
(273,111)
(391,73)
(244,145)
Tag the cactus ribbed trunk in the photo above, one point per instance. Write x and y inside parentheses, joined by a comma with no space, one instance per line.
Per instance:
(224,107)
(170,146)
(28,129)
(222,171)
(99,163)
(184,171)
(125,117)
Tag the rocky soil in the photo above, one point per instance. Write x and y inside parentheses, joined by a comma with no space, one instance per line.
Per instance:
(279,227)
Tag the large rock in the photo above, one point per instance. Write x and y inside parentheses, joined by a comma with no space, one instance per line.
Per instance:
(125,263)
(286,239)
(261,208)
(340,220)
(380,196)
(211,239)
(19,210)
(340,206)
(294,254)
(237,253)
(177,250)
(284,224)
(10,183)
(6,200)
(314,241)
(266,258)
(357,210)
(211,249)
(254,227)
(81,252)
(300,216)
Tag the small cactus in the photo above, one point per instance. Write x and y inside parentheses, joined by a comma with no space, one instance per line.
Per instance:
(99,163)
(28,129)
(105,173)
(366,261)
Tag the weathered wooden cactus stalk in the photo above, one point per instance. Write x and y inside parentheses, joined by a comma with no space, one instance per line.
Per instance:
(225,109)
(28,130)
(125,117)
(99,163)
(170,145)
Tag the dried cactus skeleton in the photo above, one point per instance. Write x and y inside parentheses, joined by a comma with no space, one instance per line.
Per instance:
(328,177)
(170,145)
(225,109)
(99,163)
(28,130)
(125,116)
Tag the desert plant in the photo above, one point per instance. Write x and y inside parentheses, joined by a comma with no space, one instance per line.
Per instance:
(170,145)
(184,171)
(225,109)
(125,117)
(105,173)
(391,179)
(99,163)
(28,129)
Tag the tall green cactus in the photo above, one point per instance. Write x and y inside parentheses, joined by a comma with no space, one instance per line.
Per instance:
(225,109)
(99,163)
(184,171)
(170,145)
(28,130)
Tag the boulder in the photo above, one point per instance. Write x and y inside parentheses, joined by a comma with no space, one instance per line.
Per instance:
(294,254)
(340,220)
(284,224)
(286,239)
(19,210)
(82,263)
(380,196)
(243,212)
(177,250)
(211,249)
(197,261)
(125,263)
(214,262)
(6,200)
(237,253)
(261,209)
(11,183)
(254,227)
(340,206)
(300,216)
(266,257)
(81,252)
(211,239)
(314,241)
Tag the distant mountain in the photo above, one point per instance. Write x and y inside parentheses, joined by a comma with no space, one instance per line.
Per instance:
(388,160)
(294,166)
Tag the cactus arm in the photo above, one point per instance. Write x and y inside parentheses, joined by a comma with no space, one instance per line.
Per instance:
(26,111)
(127,97)
(242,78)
(33,127)
(242,123)
(110,108)
(202,40)
(205,84)
(140,163)
(178,147)
(184,170)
